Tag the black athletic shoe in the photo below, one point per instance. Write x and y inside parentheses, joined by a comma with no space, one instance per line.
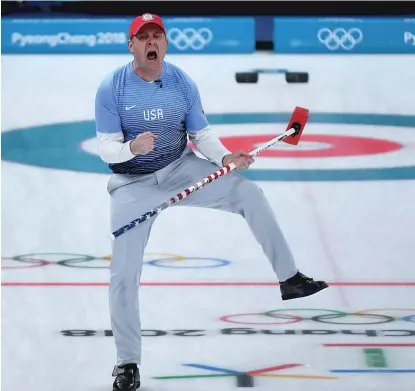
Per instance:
(127,378)
(300,286)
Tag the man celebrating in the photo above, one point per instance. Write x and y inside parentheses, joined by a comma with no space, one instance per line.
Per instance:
(145,110)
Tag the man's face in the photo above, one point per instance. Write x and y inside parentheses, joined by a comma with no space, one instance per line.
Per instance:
(149,47)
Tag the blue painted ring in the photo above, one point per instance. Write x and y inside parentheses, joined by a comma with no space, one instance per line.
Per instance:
(58,146)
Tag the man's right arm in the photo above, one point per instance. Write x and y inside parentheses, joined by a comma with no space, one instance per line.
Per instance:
(111,145)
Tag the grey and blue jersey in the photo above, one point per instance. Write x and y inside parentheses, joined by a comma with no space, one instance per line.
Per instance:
(168,107)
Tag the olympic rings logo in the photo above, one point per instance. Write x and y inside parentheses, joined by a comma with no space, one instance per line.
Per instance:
(82,261)
(189,38)
(340,38)
(328,316)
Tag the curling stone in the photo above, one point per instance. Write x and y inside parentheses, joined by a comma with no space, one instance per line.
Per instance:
(246,77)
(296,77)
(244,380)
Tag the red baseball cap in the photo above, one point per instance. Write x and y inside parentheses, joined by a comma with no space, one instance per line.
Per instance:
(144,19)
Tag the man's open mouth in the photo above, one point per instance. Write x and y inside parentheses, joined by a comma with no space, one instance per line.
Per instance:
(152,55)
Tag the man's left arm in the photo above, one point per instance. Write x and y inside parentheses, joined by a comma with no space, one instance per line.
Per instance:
(205,139)
(200,133)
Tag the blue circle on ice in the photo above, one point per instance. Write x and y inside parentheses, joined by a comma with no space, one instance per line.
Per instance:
(58,146)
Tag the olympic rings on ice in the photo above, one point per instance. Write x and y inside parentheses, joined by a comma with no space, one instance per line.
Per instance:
(84,261)
(328,316)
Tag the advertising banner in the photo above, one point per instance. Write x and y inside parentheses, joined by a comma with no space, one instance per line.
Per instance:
(100,36)
(344,36)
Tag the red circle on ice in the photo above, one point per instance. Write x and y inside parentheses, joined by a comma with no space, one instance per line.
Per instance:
(314,145)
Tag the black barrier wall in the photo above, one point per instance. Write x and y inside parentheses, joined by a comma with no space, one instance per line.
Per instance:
(215,8)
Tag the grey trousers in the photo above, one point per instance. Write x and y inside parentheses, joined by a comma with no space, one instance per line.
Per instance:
(132,196)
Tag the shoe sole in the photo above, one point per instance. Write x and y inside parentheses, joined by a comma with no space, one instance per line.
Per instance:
(130,389)
(295,296)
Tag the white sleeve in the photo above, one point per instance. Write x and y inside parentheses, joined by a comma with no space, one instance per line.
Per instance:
(112,149)
(209,145)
